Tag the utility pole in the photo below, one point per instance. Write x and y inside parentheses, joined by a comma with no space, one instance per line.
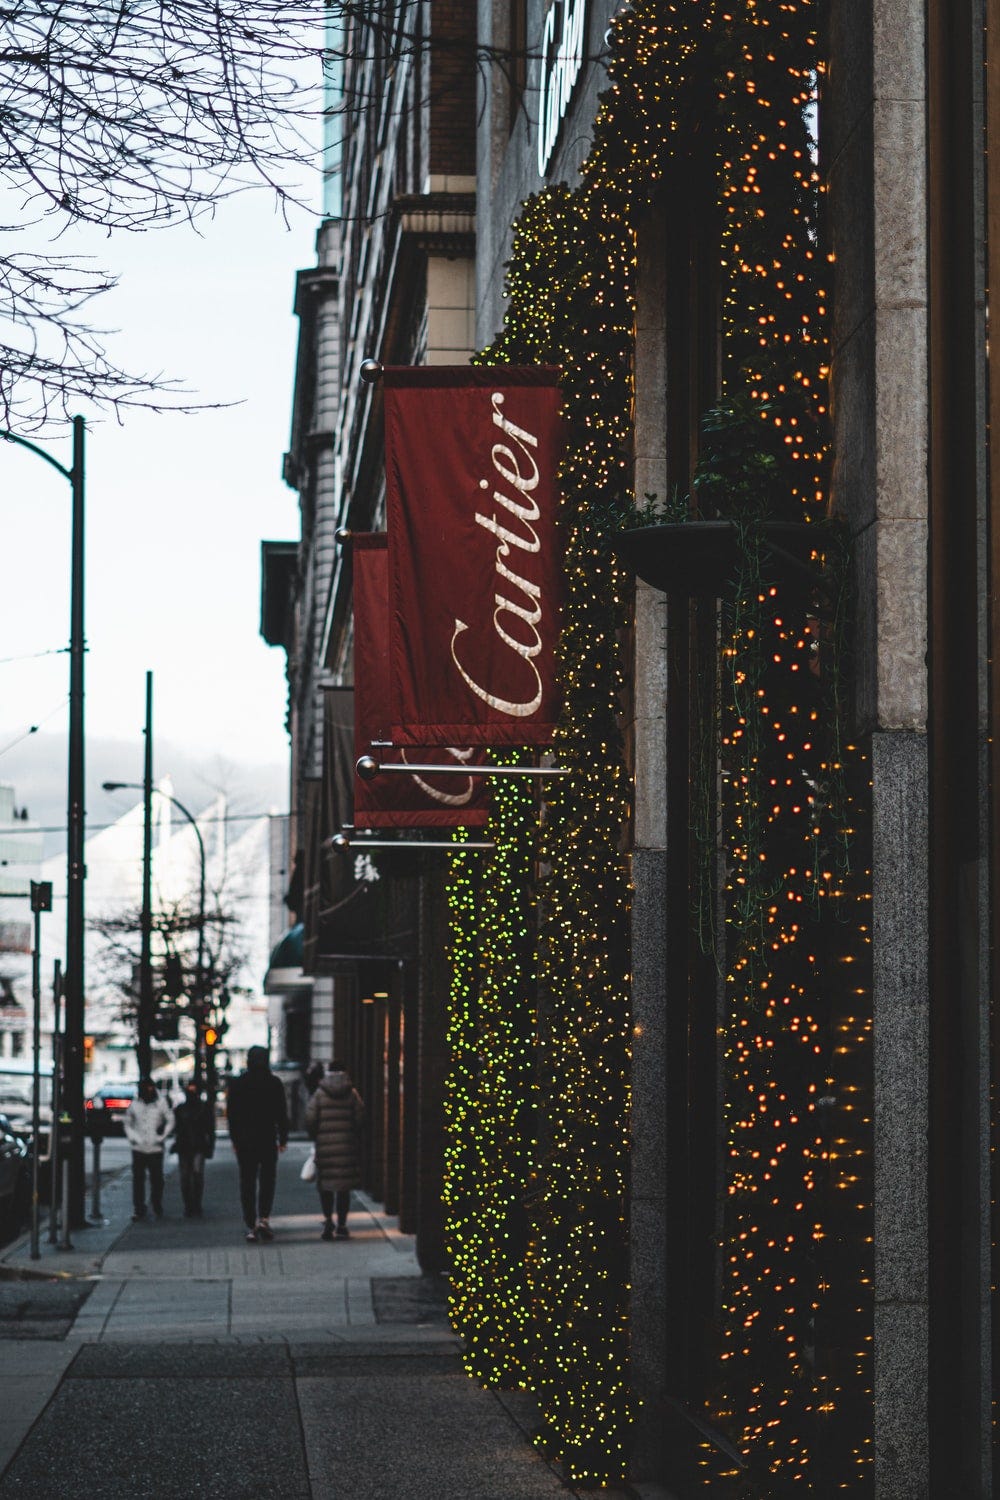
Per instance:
(147,1004)
(76,872)
(55,1147)
(41,900)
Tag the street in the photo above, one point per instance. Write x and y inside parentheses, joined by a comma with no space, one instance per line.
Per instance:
(171,1358)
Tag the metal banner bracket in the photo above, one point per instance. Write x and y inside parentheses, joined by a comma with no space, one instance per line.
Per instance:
(368,768)
(345,841)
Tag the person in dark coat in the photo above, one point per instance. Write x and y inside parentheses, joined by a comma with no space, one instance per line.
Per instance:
(334,1117)
(194,1143)
(258,1129)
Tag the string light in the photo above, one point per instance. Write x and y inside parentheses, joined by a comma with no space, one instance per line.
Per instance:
(489,1094)
(538,1098)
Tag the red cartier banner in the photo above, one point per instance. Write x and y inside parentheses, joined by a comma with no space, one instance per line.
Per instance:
(397,801)
(475,559)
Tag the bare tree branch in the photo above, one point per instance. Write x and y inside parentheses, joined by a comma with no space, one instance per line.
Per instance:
(175,928)
(134,114)
(131,114)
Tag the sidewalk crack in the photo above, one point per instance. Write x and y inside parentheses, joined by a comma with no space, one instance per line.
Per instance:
(302,1426)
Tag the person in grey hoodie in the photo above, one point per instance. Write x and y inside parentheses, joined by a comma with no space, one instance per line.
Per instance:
(148,1122)
(334,1117)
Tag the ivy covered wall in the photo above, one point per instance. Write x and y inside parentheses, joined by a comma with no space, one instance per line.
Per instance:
(539,1091)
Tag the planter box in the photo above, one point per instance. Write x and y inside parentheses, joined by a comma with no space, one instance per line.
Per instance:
(703,557)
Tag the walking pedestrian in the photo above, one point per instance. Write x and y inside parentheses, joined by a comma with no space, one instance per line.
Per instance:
(258,1129)
(334,1117)
(148,1122)
(194,1143)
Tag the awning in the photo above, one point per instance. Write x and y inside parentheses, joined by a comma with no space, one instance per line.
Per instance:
(285,975)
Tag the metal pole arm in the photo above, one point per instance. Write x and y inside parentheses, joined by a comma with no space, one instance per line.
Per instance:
(12,437)
(76,874)
(368,768)
(345,843)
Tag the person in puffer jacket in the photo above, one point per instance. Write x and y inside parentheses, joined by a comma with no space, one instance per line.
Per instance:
(334,1117)
(148,1122)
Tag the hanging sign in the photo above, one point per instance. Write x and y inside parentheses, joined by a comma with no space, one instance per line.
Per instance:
(417,801)
(475,559)
(564,36)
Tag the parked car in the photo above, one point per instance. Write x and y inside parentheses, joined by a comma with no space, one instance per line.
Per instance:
(106,1108)
(15,1181)
(15,1106)
(16,1093)
(16,1111)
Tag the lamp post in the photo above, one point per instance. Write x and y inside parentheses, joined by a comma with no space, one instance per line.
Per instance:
(41,900)
(132,786)
(72,1084)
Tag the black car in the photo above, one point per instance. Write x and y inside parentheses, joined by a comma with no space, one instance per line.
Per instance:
(107,1107)
(15,1181)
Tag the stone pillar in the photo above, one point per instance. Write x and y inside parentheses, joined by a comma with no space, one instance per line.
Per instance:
(648,1269)
(321,1037)
(433,1067)
(874,133)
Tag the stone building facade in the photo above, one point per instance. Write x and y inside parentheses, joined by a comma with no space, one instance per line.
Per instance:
(20,864)
(411,271)
(395,280)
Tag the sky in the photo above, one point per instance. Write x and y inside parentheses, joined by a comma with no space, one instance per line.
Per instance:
(177,506)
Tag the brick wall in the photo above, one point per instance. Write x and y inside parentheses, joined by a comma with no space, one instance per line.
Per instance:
(452,130)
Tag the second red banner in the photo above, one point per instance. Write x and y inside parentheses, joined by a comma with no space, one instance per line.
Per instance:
(395,801)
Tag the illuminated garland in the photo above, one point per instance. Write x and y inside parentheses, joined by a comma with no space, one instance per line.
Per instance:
(797,1026)
(491,1098)
(460,1094)
(569,307)
(784,808)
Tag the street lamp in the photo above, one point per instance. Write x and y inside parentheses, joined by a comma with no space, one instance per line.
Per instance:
(72,1087)
(133,786)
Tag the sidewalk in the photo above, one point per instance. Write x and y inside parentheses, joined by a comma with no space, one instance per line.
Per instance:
(201,1366)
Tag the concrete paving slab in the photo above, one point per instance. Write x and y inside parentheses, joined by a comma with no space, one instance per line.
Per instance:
(37,1309)
(199,1362)
(409,1299)
(93,1315)
(423,1423)
(219,1439)
(355,1334)
(205,1366)
(360,1307)
(300,1305)
(29,1373)
(89,1245)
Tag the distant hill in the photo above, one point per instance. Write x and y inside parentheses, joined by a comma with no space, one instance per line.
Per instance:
(36,769)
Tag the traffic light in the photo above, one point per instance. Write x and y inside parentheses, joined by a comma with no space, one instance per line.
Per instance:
(173,976)
(210,1036)
(88,1051)
(41,895)
(166,1024)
